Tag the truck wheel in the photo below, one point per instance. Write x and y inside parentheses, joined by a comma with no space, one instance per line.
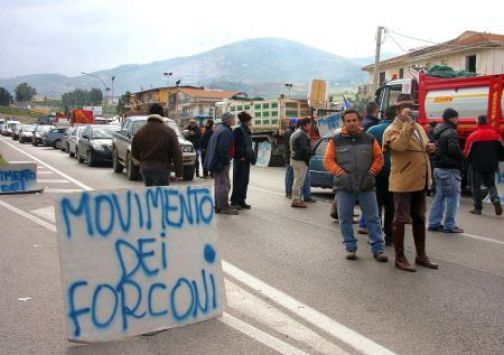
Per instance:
(133,171)
(189,173)
(116,165)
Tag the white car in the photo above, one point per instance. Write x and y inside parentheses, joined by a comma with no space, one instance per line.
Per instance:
(26,133)
(73,139)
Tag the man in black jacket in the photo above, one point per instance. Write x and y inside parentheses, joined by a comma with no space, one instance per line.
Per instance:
(300,159)
(244,156)
(448,162)
(205,139)
(194,136)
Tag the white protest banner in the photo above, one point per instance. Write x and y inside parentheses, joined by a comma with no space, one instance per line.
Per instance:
(16,177)
(263,154)
(138,260)
(327,125)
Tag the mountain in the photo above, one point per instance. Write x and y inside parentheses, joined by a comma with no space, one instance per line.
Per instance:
(363,61)
(257,66)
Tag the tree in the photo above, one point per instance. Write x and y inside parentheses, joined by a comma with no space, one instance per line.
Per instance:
(5,97)
(24,92)
(95,97)
(123,101)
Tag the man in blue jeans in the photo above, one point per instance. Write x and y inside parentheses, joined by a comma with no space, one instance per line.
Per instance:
(448,162)
(354,157)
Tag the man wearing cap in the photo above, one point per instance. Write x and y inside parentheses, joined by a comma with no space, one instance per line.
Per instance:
(448,161)
(218,161)
(410,178)
(156,146)
(244,156)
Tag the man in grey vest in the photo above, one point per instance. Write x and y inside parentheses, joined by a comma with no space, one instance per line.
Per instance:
(354,157)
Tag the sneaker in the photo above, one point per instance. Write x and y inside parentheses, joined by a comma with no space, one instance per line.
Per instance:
(382,258)
(298,204)
(288,195)
(362,231)
(351,255)
(476,212)
(454,230)
(236,206)
(439,228)
(498,207)
(230,211)
(310,200)
(246,206)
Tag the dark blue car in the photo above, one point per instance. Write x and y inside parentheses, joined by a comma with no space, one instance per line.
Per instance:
(319,177)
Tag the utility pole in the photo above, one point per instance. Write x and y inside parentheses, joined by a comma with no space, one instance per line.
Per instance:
(376,71)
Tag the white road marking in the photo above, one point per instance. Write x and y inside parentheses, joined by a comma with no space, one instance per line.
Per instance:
(75,181)
(312,316)
(262,337)
(46,213)
(61,191)
(31,217)
(485,239)
(53,181)
(245,303)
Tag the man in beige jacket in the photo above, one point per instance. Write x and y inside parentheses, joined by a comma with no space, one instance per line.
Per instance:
(410,178)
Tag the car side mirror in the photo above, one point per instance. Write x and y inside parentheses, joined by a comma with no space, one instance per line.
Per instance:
(85,136)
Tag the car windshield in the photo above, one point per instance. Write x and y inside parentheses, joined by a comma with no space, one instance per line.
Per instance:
(103,133)
(28,128)
(44,128)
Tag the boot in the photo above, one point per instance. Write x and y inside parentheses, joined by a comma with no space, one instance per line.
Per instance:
(400,260)
(419,237)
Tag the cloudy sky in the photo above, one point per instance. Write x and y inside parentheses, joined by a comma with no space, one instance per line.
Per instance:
(67,37)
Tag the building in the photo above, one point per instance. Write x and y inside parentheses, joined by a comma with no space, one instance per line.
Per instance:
(181,102)
(476,52)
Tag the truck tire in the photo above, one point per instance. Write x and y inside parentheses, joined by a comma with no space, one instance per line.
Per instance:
(132,171)
(189,173)
(116,165)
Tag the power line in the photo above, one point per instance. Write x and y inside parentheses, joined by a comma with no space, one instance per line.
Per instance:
(461,46)
(397,43)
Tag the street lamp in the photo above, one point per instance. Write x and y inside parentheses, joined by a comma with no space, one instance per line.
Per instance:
(289,86)
(168,75)
(112,92)
(104,86)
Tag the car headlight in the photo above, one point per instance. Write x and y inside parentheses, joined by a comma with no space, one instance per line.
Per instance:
(98,147)
(187,148)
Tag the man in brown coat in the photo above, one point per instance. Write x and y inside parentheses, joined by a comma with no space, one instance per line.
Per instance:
(156,146)
(410,178)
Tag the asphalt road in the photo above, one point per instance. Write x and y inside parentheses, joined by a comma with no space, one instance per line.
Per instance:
(289,287)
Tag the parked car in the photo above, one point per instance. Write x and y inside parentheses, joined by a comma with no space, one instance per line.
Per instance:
(9,127)
(26,133)
(121,148)
(319,177)
(39,133)
(54,137)
(65,138)
(15,132)
(73,139)
(95,144)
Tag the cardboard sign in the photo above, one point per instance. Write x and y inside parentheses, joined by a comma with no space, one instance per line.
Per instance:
(18,177)
(136,261)
(263,154)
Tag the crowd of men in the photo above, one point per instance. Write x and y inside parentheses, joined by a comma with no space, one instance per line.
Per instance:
(383,165)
